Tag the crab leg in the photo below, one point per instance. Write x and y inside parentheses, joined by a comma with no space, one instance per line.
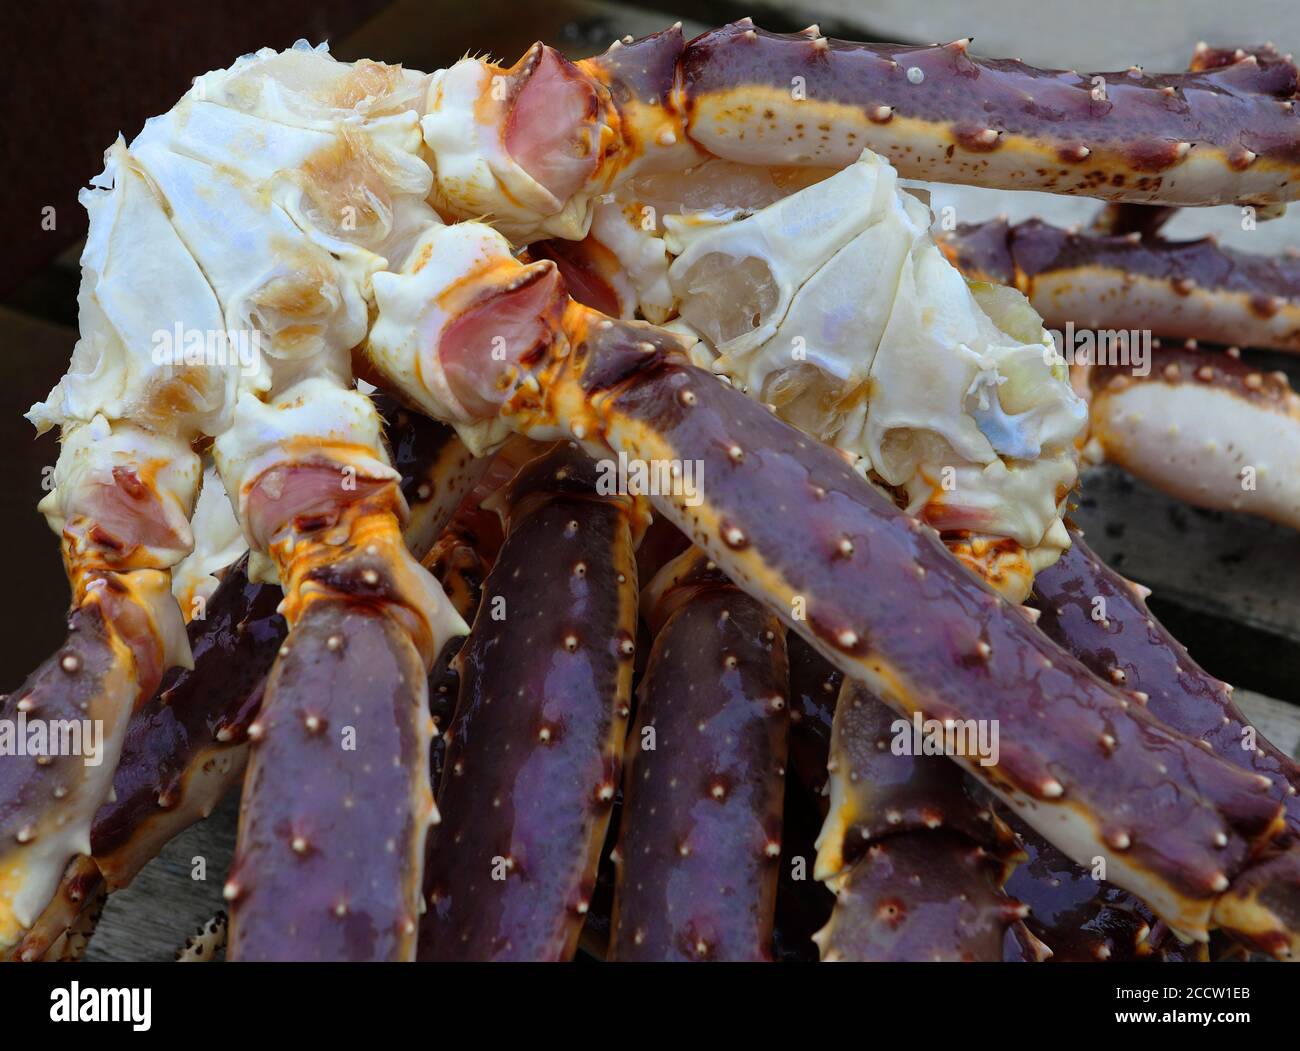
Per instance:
(533,751)
(1179,289)
(1102,619)
(186,747)
(700,838)
(626,388)
(1219,136)
(338,770)
(1204,426)
(916,864)
(1074,915)
(531,146)
(125,485)
(337,797)
(1081,781)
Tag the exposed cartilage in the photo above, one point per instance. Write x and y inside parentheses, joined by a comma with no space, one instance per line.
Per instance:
(1203,425)
(1103,620)
(700,839)
(916,863)
(847,583)
(218,545)
(534,751)
(1178,289)
(1080,917)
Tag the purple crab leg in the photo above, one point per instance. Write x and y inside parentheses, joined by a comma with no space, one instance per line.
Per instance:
(916,863)
(49,789)
(1102,619)
(875,591)
(336,737)
(1178,289)
(533,752)
(700,839)
(337,801)
(1217,136)
(187,746)
(1073,916)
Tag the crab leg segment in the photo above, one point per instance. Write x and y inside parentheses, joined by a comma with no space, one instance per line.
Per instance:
(1102,619)
(1220,136)
(339,765)
(331,839)
(916,864)
(122,508)
(1179,289)
(533,753)
(1205,426)
(846,583)
(702,807)
(337,798)
(187,746)
(49,793)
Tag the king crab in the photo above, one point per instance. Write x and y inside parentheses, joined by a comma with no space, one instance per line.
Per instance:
(885,448)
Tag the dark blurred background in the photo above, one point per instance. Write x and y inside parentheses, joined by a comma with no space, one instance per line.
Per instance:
(74,74)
